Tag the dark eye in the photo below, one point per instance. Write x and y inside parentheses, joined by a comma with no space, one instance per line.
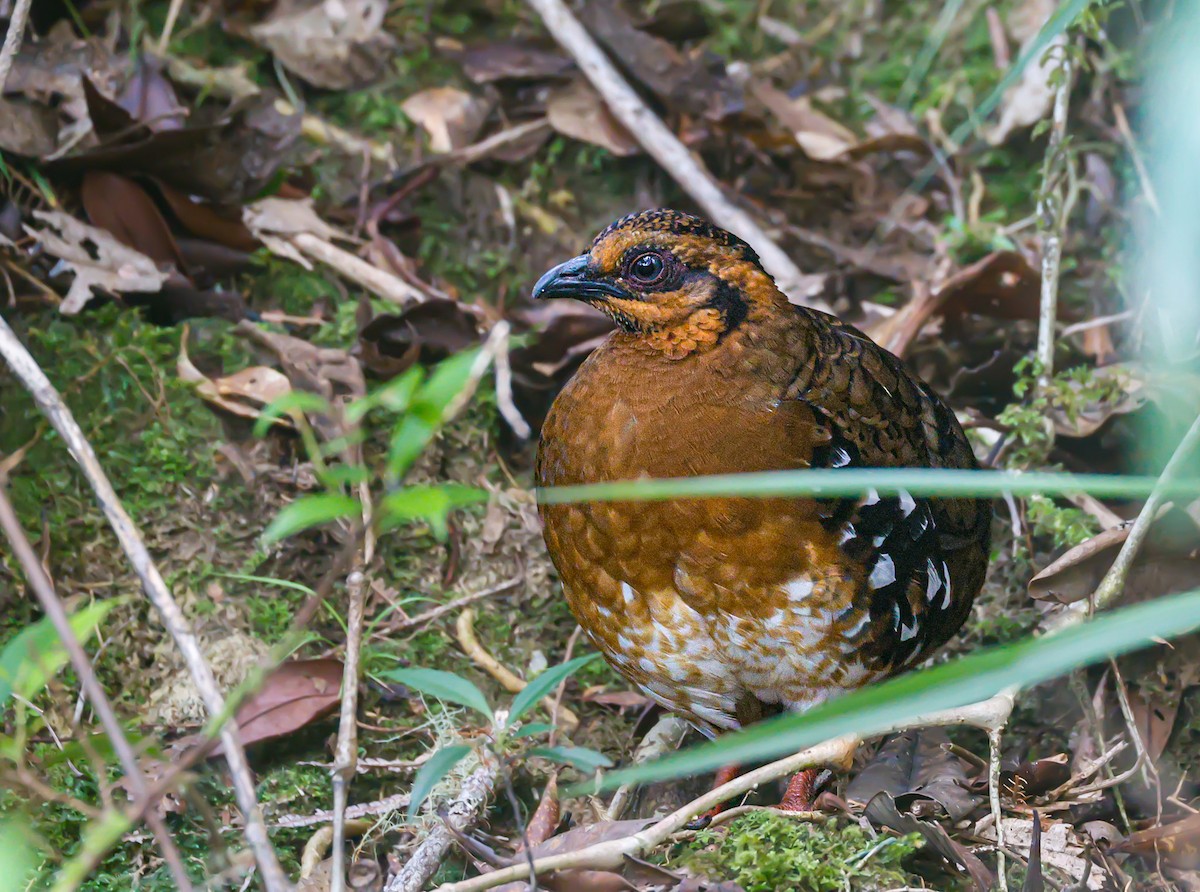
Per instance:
(647,268)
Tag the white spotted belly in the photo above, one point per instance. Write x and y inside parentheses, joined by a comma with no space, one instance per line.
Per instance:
(701,666)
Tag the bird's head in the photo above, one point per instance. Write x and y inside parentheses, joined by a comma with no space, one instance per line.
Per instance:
(677,281)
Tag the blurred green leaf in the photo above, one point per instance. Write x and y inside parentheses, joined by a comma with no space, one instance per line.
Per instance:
(36,655)
(310,511)
(439,765)
(16,857)
(576,756)
(350,475)
(426,413)
(1056,25)
(532,728)
(443,686)
(877,708)
(432,504)
(543,684)
(395,396)
(288,404)
(857,481)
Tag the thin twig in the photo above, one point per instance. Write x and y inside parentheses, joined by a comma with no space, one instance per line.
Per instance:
(380,282)
(1052,214)
(430,615)
(53,607)
(347,740)
(164,39)
(662,145)
(994,739)
(12,40)
(177,625)
(353,812)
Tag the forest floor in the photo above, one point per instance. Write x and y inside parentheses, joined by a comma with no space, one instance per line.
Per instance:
(860,134)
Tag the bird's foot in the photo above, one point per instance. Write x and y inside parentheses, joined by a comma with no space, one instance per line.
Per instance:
(724,775)
(803,789)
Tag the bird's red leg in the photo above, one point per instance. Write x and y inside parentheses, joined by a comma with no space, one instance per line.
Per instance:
(724,775)
(800,790)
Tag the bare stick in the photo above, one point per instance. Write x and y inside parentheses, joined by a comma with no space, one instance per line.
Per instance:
(345,758)
(380,282)
(1052,212)
(12,40)
(462,813)
(169,26)
(172,617)
(662,145)
(450,606)
(53,607)
(994,739)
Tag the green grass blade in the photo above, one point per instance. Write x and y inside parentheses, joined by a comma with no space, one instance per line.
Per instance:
(575,756)
(829,483)
(948,686)
(310,511)
(443,686)
(544,684)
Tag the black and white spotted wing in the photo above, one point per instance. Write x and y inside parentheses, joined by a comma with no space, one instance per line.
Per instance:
(907,589)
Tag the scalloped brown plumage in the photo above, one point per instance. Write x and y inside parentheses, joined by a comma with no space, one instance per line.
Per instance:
(721,609)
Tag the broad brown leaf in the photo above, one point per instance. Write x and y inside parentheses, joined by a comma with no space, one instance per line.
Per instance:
(295,694)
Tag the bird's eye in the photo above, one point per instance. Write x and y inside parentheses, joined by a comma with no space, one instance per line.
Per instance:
(647,268)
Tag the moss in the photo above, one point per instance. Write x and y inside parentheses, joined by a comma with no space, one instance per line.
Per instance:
(769,852)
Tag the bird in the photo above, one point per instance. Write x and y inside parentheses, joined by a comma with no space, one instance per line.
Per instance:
(725,610)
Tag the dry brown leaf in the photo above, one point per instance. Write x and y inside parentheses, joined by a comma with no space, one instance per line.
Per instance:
(1168,562)
(512,60)
(451,117)
(245,393)
(27,128)
(97,259)
(1062,847)
(576,110)
(1033,778)
(427,333)
(573,840)
(917,769)
(334,44)
(1029,100)
(882,810)
(1178,843)
(293,695)
(820,136)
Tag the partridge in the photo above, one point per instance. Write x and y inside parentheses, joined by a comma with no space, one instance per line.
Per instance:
(726,609)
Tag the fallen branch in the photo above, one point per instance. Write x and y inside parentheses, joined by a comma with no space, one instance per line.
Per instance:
(53,607)
(461,814)
(662,145)
(177,625)
(430,615)
(346,754)
(1053,210)
(12,40)
(353,812)
(513,683)
(988,714)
